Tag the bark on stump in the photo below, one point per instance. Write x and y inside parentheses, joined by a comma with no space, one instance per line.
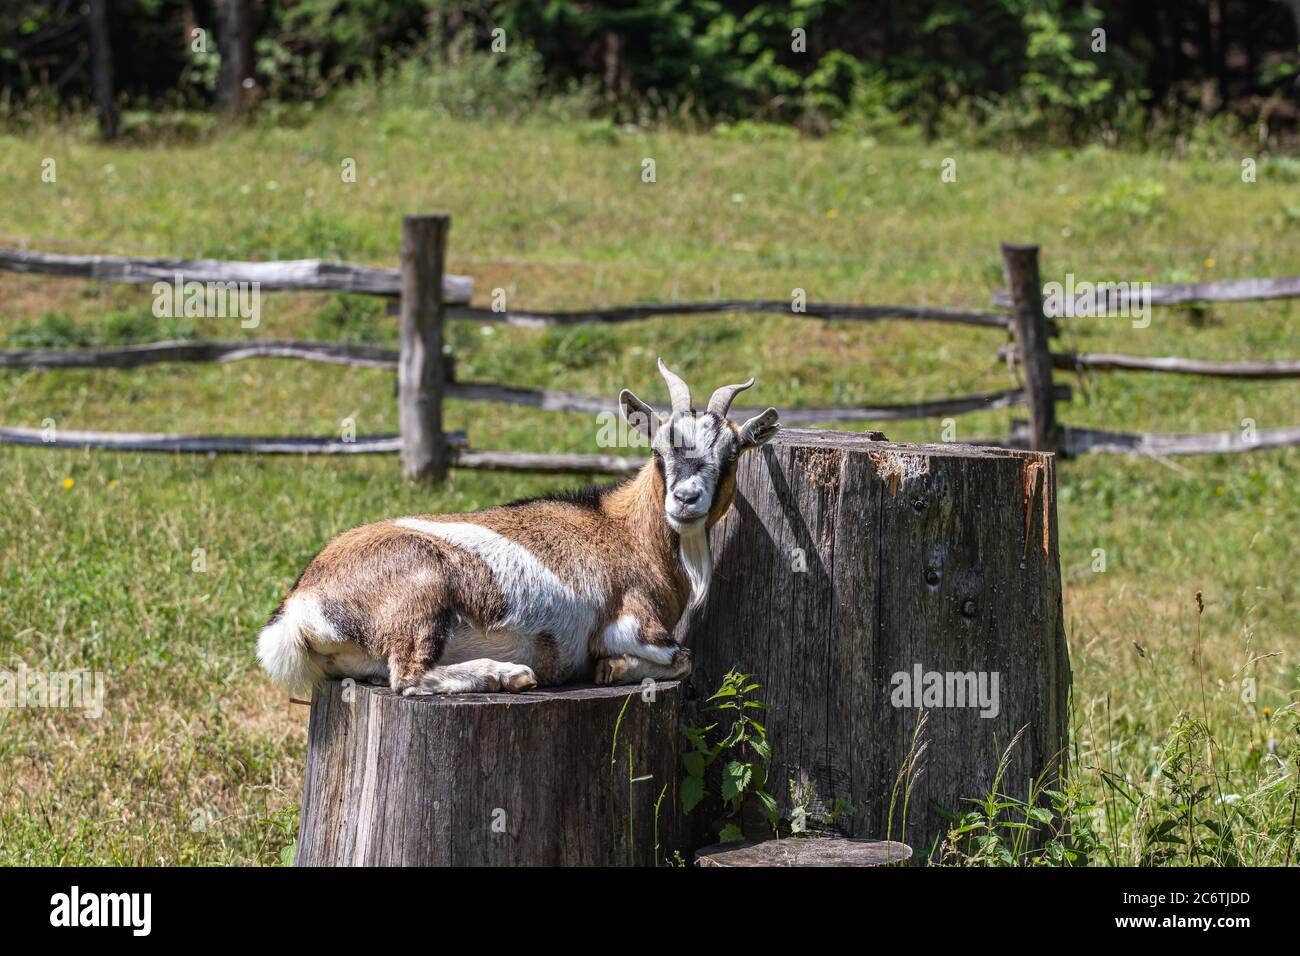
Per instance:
(813,851)
(847,561)
(563,776)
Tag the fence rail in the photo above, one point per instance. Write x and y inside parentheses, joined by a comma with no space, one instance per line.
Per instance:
(154,353)
(1081,441)
(426,297)
(1119,362)
(158,441)
(811,310)
(311,275)
(134,356)
(1227,290)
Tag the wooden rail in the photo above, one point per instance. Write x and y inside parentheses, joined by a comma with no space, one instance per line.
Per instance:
(549,462)
(456,442)
(812,310)
(314,275)
(1229,290)
(158,441)
(1079,441)
(556,400)
(1119,362)
(153,353)
(133,356)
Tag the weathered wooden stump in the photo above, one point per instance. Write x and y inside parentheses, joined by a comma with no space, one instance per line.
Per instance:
(851,570)
(833,851)
(564,776)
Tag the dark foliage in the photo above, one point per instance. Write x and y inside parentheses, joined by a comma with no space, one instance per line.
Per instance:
(1026,65)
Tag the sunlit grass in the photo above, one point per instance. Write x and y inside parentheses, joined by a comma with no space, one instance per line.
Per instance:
(198,760)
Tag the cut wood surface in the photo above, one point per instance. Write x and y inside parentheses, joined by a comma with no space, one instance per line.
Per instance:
(846,565)
(567,776)
(812,310)
(156,441)
(1117,361)
(289,275)
(822,851)
(1229,290)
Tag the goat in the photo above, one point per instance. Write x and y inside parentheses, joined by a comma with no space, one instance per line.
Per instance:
(586,585)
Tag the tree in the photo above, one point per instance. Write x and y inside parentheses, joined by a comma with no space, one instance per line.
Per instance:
(101,67)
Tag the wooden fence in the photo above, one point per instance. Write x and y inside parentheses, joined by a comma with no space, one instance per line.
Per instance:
(425,297)
(1033,330)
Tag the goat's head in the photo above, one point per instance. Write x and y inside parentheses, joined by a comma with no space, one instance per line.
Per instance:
(696,452)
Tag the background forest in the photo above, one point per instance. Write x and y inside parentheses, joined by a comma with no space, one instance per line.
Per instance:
(1066,70)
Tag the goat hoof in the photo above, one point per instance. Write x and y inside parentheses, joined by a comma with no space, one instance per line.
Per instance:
(681,663)
(517,679)
(609,670)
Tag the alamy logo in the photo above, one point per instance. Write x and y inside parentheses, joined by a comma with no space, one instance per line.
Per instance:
(103,909)
(208,300)
(922,688)
(1101,299)
(71,690)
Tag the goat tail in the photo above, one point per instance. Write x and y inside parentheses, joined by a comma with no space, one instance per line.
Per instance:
(283,648)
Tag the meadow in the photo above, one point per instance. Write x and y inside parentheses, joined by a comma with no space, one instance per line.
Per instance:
(158,569)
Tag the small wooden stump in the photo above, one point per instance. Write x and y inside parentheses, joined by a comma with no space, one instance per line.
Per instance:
(572,776)
(813,851)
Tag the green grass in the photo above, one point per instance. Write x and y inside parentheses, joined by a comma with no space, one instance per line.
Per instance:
(198,760)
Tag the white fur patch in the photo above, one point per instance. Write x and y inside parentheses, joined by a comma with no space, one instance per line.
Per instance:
(623,636)
(536,601)
(697,561)
(284,648)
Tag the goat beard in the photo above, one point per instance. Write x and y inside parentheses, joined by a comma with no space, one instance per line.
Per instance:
(697,562)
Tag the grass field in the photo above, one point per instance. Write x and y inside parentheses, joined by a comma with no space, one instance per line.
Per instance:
(197,759)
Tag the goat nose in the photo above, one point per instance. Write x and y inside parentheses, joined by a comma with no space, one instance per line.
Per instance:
(687,496)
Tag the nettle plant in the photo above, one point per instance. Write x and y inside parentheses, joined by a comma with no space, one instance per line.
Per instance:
(740,742)
(1051,826)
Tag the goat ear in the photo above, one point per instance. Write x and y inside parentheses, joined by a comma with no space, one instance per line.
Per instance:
(638,414)
(759,430)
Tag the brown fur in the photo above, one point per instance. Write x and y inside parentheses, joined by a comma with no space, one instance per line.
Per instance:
(397,593)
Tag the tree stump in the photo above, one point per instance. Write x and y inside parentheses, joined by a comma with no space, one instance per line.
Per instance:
(849,571)
(572,776)
(792,851)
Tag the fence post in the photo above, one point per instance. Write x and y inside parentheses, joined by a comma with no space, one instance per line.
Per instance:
(421,372)
(1029,324)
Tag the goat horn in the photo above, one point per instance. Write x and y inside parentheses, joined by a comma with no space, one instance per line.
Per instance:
(677,390)
(720,403)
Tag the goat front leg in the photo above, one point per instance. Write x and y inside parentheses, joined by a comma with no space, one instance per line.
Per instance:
(474,677)
(637,645)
